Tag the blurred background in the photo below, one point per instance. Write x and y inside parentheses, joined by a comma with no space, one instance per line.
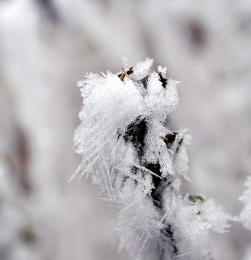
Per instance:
(45,48)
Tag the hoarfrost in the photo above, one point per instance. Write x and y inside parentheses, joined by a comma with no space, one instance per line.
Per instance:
(128,150)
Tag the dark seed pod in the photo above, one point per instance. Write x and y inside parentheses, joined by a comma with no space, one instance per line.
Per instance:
(162,80)
(125,73)
(169,139)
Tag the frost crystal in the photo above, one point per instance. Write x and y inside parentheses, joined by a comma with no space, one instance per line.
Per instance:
(139,163)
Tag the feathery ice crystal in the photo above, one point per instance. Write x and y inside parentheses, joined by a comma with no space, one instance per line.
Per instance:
(139,164)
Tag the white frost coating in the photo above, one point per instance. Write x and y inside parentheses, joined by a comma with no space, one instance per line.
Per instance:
(245,215)
(142,68)
(139,163)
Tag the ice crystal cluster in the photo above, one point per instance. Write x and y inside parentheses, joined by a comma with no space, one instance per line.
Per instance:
(140,164)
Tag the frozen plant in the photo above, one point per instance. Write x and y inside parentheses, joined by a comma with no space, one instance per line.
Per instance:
(245,215)
(139,164)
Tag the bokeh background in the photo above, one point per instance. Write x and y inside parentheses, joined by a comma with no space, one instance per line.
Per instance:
(45,48)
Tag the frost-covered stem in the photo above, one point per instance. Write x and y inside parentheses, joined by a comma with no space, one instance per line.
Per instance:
(139,163)
(136,133)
